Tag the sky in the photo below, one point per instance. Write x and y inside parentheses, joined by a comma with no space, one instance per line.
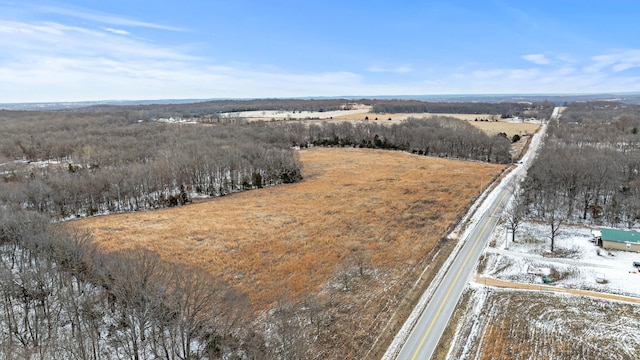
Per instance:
(93,50)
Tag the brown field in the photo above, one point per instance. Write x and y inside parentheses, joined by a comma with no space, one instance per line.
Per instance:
(490,127)
(359,115)
(403,116)
(295,235)
(380,210)
(542,325)
(509,128)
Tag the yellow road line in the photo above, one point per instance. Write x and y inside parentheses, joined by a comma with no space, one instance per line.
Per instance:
(456,278)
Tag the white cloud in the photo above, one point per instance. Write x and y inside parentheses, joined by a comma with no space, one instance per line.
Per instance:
(617,61)
(104,18)
(538,59)
(116,31)
(30,40)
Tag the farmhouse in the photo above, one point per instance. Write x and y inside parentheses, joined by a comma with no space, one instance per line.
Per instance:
(620,239)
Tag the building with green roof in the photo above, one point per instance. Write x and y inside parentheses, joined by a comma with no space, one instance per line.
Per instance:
(620,239)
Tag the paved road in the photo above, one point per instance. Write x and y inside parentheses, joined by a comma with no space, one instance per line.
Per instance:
(423,339)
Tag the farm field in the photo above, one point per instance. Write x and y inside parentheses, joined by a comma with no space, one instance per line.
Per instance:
(508,127)
(360,112)
(355,232)
(294,236)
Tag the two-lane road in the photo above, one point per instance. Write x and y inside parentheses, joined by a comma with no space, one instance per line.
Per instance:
(423,339)
(426,334)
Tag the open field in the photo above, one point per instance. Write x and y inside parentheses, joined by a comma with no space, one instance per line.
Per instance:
(294,236)
(373,212)
(403,116)
(361,112)
(267,115)
(507,127)
(490,127)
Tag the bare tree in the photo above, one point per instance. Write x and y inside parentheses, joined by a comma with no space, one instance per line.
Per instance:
(515,213)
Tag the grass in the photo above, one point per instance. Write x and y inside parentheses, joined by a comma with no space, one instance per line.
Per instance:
(490,127)
(535,325)
(381,210)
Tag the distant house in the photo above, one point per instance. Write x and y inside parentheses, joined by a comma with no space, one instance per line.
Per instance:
(620,239)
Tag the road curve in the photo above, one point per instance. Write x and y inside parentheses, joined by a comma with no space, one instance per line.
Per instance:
(423,339)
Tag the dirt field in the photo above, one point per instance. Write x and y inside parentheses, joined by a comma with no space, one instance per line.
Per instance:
(391,205)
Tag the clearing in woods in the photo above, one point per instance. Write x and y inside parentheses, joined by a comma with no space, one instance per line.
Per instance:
(395,206)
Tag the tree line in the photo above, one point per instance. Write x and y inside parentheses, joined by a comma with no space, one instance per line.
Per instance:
(539,110)
(437,136)
(536,109)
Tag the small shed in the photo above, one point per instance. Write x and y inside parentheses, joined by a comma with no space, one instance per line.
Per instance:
(620,239)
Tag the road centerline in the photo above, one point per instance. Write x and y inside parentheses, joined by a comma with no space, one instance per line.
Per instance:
(453,283)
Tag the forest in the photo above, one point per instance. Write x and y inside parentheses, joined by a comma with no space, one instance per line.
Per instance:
(62,298)
(588,170)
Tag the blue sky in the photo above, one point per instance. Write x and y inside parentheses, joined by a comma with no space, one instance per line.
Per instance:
(84,50)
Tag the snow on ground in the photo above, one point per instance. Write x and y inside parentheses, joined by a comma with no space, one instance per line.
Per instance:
(576,263)
(284,115)
(172,120)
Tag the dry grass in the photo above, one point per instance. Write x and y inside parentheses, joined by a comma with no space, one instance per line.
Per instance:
(538,325)
(490,127)
(403,116)
(395,205)
(510,128)
(294,240)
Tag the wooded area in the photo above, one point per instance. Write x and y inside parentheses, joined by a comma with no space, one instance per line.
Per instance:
(78,164)
(589,169)
(214,107)
(64,299)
